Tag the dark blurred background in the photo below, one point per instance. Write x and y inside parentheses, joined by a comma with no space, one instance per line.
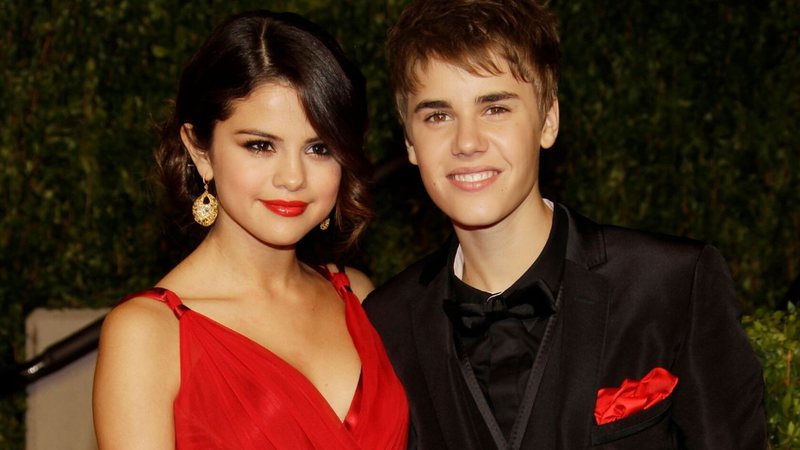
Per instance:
(678,117)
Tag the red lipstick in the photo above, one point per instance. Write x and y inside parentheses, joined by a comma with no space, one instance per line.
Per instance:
(285,208)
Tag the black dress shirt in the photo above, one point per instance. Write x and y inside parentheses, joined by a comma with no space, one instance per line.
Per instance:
(502,352)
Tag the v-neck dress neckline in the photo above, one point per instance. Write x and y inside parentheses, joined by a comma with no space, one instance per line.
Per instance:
(236,393)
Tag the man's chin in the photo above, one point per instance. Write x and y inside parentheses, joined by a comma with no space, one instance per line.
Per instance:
(474,224)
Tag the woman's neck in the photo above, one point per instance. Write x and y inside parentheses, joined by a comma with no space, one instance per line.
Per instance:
(232,262)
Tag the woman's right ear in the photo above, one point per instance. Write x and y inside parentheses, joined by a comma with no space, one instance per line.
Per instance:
(199,156)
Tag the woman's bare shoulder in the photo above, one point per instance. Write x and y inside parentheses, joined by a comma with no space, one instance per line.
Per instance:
(140,338)
(141,335)
(359,283)
(142,317)
(137,375)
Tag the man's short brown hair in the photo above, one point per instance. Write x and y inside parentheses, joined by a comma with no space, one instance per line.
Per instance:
(471,34)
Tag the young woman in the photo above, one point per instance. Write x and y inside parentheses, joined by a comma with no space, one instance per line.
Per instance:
(242,345)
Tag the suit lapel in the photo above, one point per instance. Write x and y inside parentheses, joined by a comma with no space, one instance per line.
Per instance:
(460,421)
(563,409)
(583,327)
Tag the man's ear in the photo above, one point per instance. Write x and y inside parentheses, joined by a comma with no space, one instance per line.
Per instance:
(200,157)
(412,154)
(550,126)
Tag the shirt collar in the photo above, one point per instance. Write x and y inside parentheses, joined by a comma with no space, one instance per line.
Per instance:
(548,266)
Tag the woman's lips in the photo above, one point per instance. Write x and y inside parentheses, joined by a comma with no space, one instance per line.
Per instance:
(285,208)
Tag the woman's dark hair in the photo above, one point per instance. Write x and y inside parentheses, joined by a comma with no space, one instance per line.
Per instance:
(253,48)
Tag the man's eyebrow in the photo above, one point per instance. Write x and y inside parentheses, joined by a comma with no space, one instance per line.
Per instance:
(432,104)
(488,98)
(496,97)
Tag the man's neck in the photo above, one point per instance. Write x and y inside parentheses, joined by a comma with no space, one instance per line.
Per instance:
(496,256)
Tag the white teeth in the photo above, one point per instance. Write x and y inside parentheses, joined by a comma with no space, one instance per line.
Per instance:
(474,177)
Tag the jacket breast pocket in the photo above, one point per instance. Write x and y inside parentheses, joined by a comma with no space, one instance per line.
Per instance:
(650,429)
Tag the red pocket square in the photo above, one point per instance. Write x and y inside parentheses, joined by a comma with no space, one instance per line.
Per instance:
(632,396)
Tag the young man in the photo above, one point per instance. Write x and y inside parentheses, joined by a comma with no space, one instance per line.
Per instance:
(535,327)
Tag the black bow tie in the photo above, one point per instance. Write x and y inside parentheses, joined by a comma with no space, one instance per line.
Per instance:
(535,300)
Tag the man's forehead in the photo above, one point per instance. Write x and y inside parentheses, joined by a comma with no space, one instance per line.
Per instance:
(441,75)
(488,66)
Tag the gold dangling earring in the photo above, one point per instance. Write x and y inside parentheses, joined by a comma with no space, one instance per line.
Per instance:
(205,207)
(325,224)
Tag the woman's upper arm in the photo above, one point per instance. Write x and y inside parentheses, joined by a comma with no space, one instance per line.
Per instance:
(359,283)
(137,377)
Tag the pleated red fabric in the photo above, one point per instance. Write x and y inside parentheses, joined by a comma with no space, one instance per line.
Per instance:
(236,394)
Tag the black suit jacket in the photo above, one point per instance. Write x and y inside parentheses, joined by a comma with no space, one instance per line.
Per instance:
(629,302)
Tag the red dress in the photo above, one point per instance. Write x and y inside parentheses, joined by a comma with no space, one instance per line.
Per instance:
(236,394)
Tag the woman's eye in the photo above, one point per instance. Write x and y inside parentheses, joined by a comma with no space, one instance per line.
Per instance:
(436,117)
(259,146)
(319,149)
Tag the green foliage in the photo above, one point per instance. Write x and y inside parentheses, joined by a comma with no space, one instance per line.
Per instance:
(776,338)
(679,117)
(676,116)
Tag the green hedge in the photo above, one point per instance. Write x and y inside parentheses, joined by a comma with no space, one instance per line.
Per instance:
(681,117)
(676,117)
(776,338)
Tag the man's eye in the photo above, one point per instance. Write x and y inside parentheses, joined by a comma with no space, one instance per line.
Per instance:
(493,110)
(436,117)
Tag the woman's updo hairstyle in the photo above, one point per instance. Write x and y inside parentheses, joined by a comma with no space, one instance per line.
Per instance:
(246,51)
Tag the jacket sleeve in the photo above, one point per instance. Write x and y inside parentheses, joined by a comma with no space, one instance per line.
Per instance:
(719,399)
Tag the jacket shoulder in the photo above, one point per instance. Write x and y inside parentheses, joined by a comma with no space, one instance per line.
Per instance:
(593,244)
(406,284)
(637,246)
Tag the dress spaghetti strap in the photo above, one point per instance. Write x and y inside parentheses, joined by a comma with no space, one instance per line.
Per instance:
(338,279)
(164,296)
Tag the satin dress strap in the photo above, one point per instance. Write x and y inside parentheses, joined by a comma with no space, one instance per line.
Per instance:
(382,401)
(341,283)
(164,296)
(338,279)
